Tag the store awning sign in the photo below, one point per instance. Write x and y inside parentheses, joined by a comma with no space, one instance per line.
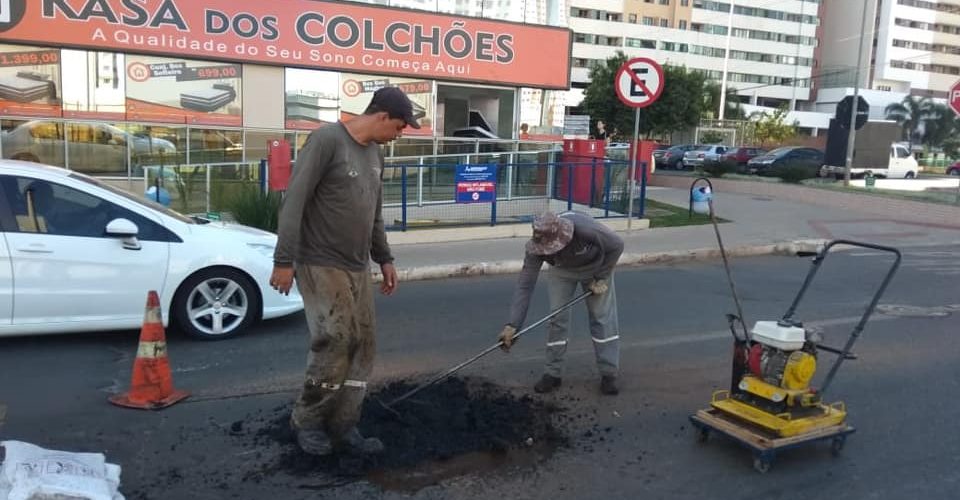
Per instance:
(303,33)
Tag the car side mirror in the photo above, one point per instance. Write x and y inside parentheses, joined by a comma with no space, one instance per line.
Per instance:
(125,230)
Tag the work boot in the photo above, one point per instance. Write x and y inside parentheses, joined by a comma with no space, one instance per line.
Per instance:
(608,385)
(314,442)
(353,443)
(547,383)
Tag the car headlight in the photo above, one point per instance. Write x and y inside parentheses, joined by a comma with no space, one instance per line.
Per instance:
(265,250)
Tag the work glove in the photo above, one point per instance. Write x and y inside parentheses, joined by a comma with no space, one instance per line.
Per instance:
(506,336)
(598,287)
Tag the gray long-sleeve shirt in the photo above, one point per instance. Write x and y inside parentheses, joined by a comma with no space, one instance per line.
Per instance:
(593,253)
(331,214)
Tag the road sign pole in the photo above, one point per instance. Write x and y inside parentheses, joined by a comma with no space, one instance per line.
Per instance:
(637,92)
(633,165)
(855,107)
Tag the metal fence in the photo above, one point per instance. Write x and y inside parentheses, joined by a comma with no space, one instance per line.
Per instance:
(199,188)
(423,194)
(420,192)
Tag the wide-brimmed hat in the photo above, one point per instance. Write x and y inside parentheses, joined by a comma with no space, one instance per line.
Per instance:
(550,234)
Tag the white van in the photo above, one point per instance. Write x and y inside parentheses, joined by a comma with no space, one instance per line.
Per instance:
(900,165)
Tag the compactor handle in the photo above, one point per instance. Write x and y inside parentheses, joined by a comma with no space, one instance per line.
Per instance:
(845,353)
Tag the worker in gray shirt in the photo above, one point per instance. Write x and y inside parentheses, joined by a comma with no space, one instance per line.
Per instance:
(580,251)
(330,226)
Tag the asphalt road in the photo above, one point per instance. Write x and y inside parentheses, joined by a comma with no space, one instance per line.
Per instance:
(675,352)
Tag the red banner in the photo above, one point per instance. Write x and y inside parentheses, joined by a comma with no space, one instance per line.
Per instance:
(304,33)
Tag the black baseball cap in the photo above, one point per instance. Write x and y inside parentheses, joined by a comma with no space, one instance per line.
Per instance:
(396,103)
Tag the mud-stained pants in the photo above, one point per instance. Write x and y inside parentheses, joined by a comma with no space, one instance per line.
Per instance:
(342,323)
(604,326)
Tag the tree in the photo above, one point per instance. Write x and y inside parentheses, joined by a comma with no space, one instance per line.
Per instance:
(679,107)
(712,137)
(711,102)
(772,128)
(940,126)
(910,114)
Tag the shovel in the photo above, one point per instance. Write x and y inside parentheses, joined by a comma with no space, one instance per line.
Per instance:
(389,406)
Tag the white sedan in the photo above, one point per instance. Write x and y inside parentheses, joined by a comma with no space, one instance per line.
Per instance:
(79,255)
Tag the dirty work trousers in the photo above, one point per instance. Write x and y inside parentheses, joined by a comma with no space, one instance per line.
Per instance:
(602,312)
(339,308)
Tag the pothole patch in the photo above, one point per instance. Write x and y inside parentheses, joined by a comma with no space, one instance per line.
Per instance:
(459,426)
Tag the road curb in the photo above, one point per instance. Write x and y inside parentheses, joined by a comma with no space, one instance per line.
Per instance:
(422,273)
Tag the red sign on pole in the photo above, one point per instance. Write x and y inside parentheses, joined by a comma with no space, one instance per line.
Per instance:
(278,163)
(955,98)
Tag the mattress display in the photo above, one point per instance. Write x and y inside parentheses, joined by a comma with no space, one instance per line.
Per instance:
(208,100)
(26,87)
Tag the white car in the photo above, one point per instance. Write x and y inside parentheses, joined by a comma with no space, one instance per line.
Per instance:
(78,255)
(701,156)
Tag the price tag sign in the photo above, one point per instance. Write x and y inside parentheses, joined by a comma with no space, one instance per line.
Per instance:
(29,58)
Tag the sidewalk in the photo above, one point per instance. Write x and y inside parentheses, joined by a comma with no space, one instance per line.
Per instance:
(764,223)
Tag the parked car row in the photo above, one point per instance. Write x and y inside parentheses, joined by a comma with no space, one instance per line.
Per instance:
(685,156)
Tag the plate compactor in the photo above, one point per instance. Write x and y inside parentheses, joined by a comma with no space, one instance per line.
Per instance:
(771,404)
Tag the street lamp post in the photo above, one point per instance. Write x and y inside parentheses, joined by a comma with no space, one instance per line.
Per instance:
(852,137)
(726,63)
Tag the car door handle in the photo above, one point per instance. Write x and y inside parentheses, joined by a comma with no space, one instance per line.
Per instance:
(35,249)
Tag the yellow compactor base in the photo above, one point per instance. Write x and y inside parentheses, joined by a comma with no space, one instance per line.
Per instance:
(782,424)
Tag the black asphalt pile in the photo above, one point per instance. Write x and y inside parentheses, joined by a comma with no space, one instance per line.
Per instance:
(455,417)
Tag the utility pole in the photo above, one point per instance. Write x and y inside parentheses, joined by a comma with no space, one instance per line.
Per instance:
(726,63)
(852,138)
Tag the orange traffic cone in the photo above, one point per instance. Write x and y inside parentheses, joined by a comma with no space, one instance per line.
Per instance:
(151,387)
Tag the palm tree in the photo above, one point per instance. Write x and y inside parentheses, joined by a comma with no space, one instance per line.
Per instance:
(910,114)
(711,102)
(940,126)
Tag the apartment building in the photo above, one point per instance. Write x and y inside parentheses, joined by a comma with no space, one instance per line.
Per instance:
(918,47)
(521,11)
(772,44)
(911,47)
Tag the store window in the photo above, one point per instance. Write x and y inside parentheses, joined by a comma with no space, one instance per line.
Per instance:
(38,141)
(475,112)
(312,98)
(96,87)
(99,149)
(215,145)
(255,143)
(155,145)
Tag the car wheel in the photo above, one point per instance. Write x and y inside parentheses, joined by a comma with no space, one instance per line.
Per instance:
(954,172)
(910,175)
(216,304)
(681,165)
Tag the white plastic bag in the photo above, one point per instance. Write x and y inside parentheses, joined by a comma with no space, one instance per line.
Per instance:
(30,472)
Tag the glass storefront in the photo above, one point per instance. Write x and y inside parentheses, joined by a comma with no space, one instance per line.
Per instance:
(117,115)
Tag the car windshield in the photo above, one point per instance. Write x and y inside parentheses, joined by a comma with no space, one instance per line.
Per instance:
(733,150)
(142,201)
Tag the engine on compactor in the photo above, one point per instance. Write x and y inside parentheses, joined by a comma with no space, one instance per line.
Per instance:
(780,365)
(786,369)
